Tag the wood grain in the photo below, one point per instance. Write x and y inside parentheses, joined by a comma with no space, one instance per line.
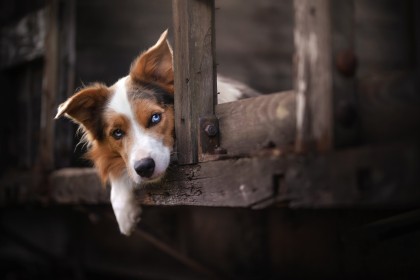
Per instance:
(195,75)
(313,75)
(371,176)
(23,41)
(49,89)
(235,183)
(252,124)
(345,122)
(64,130)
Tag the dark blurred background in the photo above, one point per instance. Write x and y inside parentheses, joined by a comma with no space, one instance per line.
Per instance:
(97,40)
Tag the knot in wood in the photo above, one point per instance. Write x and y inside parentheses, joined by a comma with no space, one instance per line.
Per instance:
(346,63)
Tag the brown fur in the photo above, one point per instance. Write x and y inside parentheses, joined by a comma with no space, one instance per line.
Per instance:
(87,108)
(155,66)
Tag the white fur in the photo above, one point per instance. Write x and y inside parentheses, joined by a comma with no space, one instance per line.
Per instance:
(126,209)
(144,145)
(232,90)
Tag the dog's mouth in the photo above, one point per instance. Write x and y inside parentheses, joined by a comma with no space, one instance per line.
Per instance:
(154,179)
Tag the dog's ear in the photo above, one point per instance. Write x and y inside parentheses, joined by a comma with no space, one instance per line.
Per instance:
(155,65)
(85,108)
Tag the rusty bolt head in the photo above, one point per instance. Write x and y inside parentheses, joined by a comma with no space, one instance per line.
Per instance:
(211,130)
(346,63)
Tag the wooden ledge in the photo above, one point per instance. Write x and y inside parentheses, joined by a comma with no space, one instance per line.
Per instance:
(381,176)
(77,185)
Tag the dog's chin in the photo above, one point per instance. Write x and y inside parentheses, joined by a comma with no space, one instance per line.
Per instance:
(140,181)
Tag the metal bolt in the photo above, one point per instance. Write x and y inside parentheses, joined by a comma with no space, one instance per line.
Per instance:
(346,63)
(211,130)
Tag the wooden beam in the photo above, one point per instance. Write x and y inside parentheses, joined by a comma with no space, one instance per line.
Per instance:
(77,185)
(23,41)
(325,66)
(241,182)
(49,89)
(313,75)
(371,176)
(249,125)
(381,176)
(344,68)
(63,132)
(195,72)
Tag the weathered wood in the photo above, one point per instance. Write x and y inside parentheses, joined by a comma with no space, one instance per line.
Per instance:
(251,124)
(313,75)
(416,17)
(77,185)
(50,88)
(64,132)
(25,119)
(371,176)
(383,176)
(344,68)
(195,75)
(23,41)
(235,183)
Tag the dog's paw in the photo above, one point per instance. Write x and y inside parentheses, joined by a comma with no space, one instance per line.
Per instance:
(127,218)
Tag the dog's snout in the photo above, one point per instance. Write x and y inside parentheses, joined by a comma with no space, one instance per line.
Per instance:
(145,167)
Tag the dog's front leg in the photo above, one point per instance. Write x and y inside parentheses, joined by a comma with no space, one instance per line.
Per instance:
(126,209)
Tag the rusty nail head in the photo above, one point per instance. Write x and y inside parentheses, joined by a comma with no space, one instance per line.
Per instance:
(211,130)
(346,63)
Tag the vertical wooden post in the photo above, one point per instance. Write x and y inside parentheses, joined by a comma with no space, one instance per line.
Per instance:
(195,73)
(49,89)
(324,70)
(344,67)
(63,146)
(313,77)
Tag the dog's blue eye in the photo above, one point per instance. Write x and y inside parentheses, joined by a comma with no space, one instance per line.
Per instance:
(117,134)
(155,119)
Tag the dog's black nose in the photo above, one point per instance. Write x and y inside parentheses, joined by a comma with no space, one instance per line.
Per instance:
(145,167)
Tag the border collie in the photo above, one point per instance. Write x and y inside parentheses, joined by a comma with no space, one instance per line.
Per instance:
(129,126)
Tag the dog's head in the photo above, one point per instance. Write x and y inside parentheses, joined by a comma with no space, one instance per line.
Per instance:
(129,127)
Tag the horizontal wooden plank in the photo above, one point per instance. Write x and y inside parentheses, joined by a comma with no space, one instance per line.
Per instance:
(383,176)
(234,182)
(250,124)
(23,41)
(371,176)
(77,185)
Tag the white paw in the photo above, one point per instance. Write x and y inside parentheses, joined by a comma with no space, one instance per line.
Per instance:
(128,217)
(123,200)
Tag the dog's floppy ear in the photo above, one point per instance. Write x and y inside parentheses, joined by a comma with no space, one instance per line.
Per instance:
(85,108)
(155,66)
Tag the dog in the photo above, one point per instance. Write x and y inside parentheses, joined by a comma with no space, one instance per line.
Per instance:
(129,126)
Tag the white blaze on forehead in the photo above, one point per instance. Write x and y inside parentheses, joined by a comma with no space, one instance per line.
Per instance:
(119,101)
